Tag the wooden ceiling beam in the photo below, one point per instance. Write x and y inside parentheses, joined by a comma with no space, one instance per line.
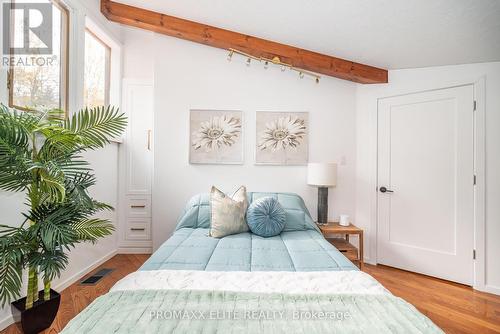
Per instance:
(226,39)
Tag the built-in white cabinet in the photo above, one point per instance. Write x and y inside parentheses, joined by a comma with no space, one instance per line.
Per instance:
(136,168)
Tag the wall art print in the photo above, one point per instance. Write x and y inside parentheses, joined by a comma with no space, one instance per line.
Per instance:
(216,137)
(282,138)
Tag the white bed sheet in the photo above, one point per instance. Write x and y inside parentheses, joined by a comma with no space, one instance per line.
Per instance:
(327,282)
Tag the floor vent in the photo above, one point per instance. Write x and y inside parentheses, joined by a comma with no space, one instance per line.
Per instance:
(92,280)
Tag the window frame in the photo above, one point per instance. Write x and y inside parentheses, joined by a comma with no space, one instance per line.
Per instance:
(64,67)
(107,65)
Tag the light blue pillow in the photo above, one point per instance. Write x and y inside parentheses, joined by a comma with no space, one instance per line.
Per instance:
(266,217)
(197,211)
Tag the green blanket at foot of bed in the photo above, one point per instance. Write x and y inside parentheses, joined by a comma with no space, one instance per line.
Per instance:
(191,311)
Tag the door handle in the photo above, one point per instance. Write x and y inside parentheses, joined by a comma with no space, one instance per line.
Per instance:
(385,190)
(149,140)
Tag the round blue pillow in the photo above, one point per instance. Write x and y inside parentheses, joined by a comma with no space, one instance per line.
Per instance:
(266,217)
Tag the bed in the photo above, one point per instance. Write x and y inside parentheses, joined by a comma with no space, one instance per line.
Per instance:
(296,282)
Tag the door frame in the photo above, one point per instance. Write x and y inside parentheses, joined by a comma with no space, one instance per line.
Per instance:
(479,265)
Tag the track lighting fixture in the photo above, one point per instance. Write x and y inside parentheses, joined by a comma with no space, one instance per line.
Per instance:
(275,61)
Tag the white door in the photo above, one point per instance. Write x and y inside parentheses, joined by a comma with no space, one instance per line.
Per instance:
(139,107)
(426,183)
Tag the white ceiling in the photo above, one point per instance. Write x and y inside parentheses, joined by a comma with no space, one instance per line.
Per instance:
(390,34)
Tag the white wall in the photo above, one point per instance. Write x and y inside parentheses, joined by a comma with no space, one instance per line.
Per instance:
(138,54)
(414,80)
(187,75)
(104,161)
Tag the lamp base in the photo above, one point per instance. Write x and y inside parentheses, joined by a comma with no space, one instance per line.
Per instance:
(322,205)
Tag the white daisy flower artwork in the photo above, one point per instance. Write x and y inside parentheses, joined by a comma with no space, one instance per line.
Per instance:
(216,137)
(282,138)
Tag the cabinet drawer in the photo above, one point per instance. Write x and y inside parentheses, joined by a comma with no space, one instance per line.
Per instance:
(139,207)
(138,229)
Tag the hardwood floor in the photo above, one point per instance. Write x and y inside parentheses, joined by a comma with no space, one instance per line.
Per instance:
(76,297)
(453,307)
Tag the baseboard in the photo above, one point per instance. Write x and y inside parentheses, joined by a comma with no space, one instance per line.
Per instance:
(5,322)
(9,320)
(369,261)
(135,250)
(491,289)
(70,280)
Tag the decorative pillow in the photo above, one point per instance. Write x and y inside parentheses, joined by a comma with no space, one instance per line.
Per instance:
(228,212)
(266,217)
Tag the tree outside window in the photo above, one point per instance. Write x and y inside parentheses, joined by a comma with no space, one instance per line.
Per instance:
(97,71)
(39,81)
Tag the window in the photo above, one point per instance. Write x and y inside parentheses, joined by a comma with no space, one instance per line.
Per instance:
(38,80)
(97,71)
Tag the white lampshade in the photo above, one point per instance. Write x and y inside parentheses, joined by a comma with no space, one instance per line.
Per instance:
(322,174)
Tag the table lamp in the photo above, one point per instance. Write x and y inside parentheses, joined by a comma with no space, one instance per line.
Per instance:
(323,176)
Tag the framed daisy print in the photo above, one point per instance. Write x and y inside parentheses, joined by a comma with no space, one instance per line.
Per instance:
(282,138)
(216,137)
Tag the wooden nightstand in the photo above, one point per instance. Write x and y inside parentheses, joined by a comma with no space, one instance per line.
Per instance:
(342,244)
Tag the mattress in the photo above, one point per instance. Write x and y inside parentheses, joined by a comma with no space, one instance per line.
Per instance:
(193,249)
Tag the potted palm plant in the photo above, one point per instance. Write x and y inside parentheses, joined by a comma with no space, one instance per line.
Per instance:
(41,155)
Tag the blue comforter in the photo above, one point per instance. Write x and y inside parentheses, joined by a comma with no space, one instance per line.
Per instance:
(300,247)
(193,249)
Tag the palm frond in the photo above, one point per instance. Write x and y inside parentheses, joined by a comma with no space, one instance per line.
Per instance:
(55,213)
(53,225)
(51,179)
(61,138)
(13,138)
(26,121)
(56,235)
(6,230)
(77,187)
(93,229)
(99,206)
(12,251)
(14,179)
(67,159)
(56,116)
(50,263)
(15,150)
(95,127)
